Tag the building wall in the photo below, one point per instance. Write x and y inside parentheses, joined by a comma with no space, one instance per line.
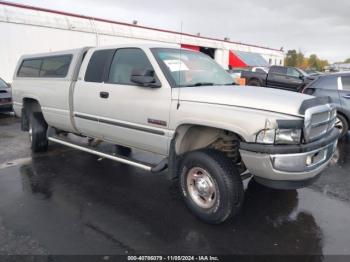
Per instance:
(28,30)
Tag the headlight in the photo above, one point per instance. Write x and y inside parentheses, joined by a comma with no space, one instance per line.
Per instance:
(279,136)
(288,136)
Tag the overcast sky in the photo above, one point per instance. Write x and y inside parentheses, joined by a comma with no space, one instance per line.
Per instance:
(313,26)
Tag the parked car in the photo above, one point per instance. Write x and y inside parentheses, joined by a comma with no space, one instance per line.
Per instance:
(182,106)
(281,77)
(337,87)
(5,97)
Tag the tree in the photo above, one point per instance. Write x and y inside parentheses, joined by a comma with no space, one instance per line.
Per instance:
(298,59)
(347,61)
(291,58)
(313,61)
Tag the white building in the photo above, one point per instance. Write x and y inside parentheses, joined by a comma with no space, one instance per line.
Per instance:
(26,29)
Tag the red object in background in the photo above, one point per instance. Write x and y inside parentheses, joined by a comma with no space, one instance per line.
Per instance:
(235,61)
(191,47)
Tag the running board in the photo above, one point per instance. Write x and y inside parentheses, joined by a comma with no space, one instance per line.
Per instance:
(162,165)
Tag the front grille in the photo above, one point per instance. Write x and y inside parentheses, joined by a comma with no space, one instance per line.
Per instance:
(319,120)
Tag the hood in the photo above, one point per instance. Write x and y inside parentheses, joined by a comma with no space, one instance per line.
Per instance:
(311,78)
(260,98)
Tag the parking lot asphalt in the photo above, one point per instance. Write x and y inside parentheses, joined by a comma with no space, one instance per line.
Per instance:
(69,202)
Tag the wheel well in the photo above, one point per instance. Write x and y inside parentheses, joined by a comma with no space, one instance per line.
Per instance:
(193,137)
(344,115)
(30,105)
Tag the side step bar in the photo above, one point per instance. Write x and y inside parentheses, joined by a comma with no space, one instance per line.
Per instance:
(162,165)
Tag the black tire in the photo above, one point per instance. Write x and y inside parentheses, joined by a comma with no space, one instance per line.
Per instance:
(37,132)
(122,150)
(343,125)
(254,82)
(225,178)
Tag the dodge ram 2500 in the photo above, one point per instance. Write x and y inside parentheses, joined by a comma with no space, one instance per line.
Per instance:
(181,105)
(281,77)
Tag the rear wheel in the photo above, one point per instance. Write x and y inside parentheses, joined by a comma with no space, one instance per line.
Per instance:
(37,132)
(342,124)
(210,185)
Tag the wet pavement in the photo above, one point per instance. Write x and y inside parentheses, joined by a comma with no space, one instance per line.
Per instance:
(70,202)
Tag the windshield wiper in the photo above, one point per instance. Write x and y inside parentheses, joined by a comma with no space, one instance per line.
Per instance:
(201,84)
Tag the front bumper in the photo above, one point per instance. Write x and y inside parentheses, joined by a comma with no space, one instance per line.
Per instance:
(289,166)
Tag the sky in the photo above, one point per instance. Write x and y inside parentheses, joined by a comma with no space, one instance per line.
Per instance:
(311,26)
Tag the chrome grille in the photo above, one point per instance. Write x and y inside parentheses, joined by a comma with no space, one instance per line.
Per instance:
(318,121)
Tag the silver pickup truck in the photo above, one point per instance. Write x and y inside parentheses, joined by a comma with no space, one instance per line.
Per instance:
(180,105)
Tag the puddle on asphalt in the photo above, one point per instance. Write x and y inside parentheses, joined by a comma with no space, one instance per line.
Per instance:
(15,162)
(271,221)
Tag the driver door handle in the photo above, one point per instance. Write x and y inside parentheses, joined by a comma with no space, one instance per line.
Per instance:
(104,95)
(347,96)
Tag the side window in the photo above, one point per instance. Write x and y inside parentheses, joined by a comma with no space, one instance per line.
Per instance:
(30,68)
(346,82)
(55,66)
(326,83)
(278,70)
(98,64)
(292,72)
(124,62)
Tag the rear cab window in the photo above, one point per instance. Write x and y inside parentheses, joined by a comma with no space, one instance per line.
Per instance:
(45,67)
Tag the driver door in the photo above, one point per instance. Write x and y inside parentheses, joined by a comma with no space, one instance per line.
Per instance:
(128,114)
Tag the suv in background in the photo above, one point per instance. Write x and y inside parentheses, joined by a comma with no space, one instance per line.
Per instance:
(337,87)
(5,97)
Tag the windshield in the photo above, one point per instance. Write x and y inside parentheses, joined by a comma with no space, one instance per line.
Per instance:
(3,84)
(189,68)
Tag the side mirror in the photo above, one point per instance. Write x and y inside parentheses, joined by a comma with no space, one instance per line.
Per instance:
(301,77)
(144,77)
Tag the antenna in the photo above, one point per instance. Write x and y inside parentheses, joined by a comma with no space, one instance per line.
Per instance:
(178,92)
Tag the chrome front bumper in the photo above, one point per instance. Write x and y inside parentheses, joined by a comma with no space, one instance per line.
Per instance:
(304,165)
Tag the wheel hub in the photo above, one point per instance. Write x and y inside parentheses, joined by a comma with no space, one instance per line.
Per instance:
(339,124)
(201,187)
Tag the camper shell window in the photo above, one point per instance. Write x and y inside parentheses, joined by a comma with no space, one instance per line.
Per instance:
(45,67)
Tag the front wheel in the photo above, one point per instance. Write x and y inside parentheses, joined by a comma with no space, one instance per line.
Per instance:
(342,124)
(210,185)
